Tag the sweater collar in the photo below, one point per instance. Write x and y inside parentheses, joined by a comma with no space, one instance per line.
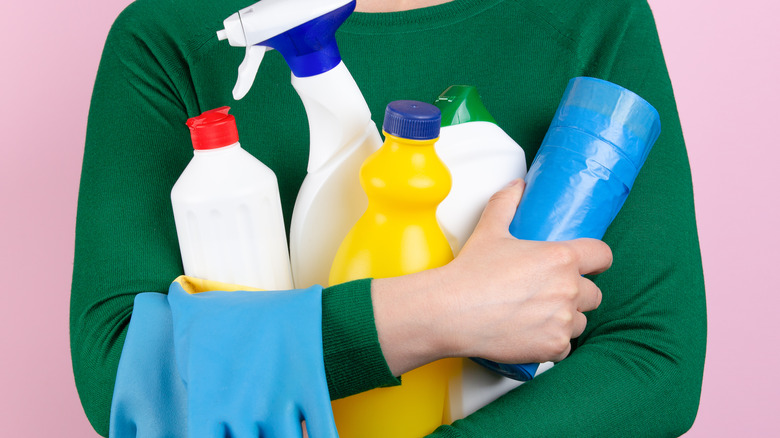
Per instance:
(445,14)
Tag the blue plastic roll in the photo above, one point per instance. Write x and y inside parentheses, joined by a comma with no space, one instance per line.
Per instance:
(598,141)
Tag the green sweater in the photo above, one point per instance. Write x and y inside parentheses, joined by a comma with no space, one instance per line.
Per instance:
(637,369)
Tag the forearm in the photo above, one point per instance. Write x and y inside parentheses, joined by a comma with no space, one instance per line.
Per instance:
(636,371)
(637,368)
(501,298)
(405,311)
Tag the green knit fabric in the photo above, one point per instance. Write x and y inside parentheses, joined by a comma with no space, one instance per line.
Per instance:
(637,369)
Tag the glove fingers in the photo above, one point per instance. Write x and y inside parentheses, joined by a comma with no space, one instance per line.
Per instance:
(319,421)
(239,430)
(284,425)
(123,427)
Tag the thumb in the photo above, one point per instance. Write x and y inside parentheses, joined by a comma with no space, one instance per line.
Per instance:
(501,207)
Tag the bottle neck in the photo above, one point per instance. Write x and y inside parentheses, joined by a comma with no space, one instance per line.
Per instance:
(216,151)
(406,174)
(337,112)
(400,141)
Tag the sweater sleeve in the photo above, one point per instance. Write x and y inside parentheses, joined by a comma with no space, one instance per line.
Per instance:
(637,369)
(137,146)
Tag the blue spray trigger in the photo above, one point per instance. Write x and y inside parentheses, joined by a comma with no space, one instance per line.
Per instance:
(310,48)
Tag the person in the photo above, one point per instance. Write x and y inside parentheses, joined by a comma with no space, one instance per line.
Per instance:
(633,365)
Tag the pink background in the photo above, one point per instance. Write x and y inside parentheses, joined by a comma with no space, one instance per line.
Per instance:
(723,60)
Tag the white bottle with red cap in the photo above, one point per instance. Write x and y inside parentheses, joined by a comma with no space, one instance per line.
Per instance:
(227,210)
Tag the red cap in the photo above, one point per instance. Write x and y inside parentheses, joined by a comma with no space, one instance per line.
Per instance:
(213,129)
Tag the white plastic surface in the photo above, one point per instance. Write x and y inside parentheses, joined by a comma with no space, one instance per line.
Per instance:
(268,18)
(248,70)
(331,200)
(482,159)
(229,220)
(262,21)
(479,386)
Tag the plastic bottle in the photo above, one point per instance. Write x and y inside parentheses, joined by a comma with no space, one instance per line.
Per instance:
(595,147)
(482,159)
(398,234)
(342,134)
(227,210)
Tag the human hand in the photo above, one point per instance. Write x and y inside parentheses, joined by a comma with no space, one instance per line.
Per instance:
(519,301)
(503,299)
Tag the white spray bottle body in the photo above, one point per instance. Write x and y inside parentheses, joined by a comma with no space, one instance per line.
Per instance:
(342,134)
(330,200)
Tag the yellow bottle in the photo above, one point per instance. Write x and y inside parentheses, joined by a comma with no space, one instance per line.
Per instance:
(398,234)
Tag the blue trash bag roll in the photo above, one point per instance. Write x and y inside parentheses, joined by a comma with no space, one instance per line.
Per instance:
(598,141)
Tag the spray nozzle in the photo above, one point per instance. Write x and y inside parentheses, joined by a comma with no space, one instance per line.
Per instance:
(303,31)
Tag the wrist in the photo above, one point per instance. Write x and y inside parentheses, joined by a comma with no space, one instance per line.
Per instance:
(408,312)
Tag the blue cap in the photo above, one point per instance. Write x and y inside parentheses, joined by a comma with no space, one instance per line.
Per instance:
(310,49)
(611,113)
(413,120)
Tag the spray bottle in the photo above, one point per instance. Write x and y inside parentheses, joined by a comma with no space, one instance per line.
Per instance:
(342,134)
(227,210)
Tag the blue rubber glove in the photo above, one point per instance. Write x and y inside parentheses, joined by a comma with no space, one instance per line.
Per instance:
(149,396)
(598,141)
(252,362)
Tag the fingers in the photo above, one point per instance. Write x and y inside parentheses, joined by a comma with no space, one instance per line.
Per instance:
(578,327)
(589,297)
(592,255)
(563,355)
(502,206)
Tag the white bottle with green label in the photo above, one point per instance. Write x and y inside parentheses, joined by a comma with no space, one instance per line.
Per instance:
(482,159)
